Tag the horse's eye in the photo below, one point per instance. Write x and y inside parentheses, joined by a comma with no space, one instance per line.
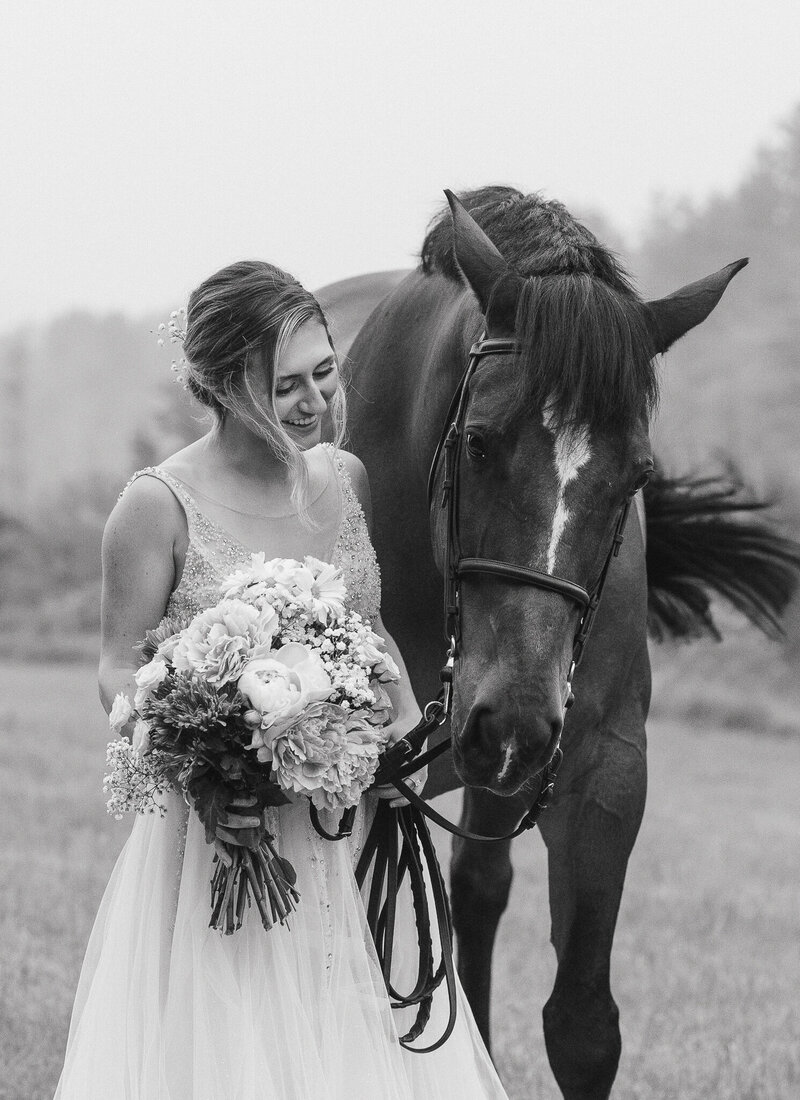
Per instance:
(641,480)
(475,447)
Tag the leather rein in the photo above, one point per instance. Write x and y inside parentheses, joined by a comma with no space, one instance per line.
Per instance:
(389,861)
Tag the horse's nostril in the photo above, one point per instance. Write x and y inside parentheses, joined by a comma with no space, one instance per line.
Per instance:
(482,728)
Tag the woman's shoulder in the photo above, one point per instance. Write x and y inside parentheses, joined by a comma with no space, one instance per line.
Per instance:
(354,468)
(147,508)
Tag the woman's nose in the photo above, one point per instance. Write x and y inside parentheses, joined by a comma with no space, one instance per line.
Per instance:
(313,401)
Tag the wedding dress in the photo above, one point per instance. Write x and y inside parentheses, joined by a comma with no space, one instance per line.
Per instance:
(168,1009)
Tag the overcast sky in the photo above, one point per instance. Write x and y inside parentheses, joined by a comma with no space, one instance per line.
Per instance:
(148,142)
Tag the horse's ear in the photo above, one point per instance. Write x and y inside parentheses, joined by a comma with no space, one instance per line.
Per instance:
(475,254)
(672,317)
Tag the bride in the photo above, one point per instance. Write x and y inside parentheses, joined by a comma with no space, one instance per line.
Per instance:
(167,1008)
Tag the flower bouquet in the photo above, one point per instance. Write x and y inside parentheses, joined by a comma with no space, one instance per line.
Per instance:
(274,693)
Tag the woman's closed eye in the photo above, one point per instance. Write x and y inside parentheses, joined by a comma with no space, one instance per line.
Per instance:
(323,372)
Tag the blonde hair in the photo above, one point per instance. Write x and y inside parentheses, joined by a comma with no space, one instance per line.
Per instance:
(238,324)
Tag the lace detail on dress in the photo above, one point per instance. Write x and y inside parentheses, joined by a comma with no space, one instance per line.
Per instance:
(354,552)
(212,553)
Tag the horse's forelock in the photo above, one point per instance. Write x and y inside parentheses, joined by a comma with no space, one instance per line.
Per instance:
(585,353)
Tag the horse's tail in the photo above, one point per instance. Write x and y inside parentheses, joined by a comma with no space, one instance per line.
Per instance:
(704,537)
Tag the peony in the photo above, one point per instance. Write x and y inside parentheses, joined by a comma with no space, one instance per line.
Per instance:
(220,641)
(120,712)
(356,768)
(279,687)
(147,678)
(328,754)
(305,753)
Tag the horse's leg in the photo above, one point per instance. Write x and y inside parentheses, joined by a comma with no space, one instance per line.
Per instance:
(480,881)
(590,830)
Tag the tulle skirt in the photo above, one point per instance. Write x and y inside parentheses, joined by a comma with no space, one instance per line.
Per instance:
(168,1009)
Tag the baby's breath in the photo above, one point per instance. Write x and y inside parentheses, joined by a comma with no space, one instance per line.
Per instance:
(135,783)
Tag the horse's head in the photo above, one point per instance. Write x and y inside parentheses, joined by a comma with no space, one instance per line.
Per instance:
(553,442)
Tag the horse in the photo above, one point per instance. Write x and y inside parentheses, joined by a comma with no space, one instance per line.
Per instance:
(552,444)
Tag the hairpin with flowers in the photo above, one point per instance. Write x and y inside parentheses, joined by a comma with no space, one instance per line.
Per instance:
(175,331)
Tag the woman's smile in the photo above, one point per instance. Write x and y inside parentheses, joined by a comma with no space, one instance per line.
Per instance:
(303,424)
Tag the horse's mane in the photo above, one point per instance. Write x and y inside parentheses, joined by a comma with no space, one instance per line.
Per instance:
(585,350)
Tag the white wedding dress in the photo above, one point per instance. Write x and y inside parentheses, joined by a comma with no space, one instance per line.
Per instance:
(168,1009)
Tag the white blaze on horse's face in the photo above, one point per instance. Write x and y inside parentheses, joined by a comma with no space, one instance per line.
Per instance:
(571,452)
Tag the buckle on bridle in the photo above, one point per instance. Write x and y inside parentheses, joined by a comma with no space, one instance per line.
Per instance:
(570,696)
(446,677)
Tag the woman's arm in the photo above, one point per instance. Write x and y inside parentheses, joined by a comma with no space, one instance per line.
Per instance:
(141,537)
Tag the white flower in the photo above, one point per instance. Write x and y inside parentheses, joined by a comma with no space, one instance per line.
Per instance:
(141,737)
(218,642)
(166,648)
(327,591)
(382,664)
(120,712)
(147,678)
(273,580)
(280,687)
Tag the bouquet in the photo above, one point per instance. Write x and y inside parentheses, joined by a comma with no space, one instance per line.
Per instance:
(273,694)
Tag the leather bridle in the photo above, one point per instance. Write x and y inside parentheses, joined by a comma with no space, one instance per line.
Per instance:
(456,568)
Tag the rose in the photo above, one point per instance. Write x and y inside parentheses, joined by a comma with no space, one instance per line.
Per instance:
(120,712)
(279,687)
(218,642)
(147,678)
(140,741)
(382,664)
(379,711)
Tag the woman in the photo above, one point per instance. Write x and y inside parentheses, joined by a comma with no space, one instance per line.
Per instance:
(166,1008)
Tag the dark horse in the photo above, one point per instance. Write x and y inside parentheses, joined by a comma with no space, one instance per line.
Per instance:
(555,440)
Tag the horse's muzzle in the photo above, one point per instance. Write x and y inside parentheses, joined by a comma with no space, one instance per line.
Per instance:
(498,751)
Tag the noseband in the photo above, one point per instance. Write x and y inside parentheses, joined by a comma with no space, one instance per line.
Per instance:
(456,568)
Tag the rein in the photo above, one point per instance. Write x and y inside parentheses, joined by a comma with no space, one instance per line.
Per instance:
(414,854)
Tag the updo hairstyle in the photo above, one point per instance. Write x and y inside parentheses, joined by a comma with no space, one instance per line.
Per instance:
(238,323)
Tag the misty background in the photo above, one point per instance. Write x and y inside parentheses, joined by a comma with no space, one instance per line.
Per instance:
(147,148)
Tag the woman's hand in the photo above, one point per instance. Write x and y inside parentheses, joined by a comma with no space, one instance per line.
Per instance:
(395,731)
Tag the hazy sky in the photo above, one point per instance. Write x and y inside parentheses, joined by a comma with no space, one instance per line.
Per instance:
(147,143)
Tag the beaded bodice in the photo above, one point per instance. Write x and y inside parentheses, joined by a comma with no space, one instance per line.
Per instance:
(212,553)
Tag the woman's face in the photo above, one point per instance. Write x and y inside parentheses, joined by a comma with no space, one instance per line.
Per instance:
(306,382)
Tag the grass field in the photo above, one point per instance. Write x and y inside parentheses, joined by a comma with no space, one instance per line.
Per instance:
(706,967)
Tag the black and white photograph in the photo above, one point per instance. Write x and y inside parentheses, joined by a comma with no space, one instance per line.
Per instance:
(400,550)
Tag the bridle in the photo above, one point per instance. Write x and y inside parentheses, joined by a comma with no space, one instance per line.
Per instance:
(456,568)
(403,759)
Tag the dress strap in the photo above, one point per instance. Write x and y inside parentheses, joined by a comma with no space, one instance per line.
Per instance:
(178,489)
(350,504)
